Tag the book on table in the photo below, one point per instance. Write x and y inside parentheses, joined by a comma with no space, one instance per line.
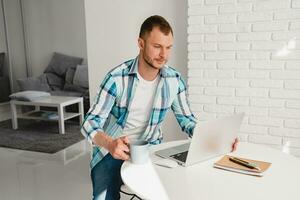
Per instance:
(256,168)
(44,114)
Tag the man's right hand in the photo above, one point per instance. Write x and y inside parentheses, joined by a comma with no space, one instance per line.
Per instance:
(118,148)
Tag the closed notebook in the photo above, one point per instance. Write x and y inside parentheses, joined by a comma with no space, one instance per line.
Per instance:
(226,164)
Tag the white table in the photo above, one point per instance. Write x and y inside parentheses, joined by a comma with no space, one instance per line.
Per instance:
(59,102)
(202,181)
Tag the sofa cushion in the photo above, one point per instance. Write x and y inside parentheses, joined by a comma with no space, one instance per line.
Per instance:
(2,56)
(29,95)
(74,88)
(81,76)
(54,81)
(70,75)
(34,83)
(60,63)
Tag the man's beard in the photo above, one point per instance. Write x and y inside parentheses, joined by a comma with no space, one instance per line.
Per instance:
(150,62)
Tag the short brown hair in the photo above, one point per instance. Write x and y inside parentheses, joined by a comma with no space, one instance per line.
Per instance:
(155,21)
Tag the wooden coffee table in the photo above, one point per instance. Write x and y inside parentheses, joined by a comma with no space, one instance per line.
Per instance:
(59,102)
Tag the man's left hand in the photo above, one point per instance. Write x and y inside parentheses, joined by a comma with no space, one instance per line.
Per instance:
(234,144)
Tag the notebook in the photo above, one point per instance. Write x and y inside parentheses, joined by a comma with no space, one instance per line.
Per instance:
(226,164)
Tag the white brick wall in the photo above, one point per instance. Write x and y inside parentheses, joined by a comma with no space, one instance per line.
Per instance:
(244,56)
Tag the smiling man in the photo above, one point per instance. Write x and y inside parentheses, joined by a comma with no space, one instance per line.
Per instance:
(132,101)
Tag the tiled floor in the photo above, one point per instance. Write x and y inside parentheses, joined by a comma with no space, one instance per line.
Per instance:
(38,176)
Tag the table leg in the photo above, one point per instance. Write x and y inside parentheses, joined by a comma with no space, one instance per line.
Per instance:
(36,108)
(14,117)
(81,112)
(61,121)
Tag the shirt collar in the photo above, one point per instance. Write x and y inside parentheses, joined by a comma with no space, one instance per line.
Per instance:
(134,68)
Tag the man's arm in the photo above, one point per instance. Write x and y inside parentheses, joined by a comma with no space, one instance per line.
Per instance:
(181,109)
(92,127)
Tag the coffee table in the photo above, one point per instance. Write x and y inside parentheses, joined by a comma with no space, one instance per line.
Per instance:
(59,102)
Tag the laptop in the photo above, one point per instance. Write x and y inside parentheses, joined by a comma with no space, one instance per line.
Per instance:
(210,139)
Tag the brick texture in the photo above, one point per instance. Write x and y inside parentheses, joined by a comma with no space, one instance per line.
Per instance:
(244,56)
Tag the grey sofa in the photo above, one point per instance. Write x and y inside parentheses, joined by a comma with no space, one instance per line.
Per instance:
(4,81)
(64,76)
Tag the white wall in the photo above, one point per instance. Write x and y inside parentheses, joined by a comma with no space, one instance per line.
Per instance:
(15,41)
(2,32)
(53,25)
(3,39)
(244,56)
(112,32)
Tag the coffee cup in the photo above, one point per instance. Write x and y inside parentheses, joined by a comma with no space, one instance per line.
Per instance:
(139,151)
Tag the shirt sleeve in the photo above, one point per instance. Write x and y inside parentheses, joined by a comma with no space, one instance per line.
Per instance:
(181,109)
(100,109)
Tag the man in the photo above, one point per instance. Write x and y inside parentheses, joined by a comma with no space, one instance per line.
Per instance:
(133,100)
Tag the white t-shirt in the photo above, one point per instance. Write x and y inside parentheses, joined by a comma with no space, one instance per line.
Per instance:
(141,106)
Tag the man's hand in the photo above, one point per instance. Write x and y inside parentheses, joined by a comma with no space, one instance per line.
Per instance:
(234,144)
(119,149)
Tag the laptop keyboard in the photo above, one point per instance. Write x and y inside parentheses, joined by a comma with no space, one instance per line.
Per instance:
(180,156)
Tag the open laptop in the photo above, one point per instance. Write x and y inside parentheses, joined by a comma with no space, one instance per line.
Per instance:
(210,139)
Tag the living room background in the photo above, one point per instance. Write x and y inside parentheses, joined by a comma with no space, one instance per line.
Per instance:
(35,29)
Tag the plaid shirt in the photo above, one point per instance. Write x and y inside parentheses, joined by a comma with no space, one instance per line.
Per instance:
(111,106)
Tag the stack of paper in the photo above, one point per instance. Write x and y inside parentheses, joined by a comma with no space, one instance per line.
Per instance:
(226,164)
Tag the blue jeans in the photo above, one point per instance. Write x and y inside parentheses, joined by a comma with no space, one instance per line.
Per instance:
(106,179)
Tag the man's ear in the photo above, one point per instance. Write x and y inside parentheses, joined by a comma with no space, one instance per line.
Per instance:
(141,43)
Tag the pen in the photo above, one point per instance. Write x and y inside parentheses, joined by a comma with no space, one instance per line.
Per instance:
(244,163)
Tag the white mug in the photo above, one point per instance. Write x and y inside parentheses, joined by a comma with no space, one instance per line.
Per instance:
(139,151)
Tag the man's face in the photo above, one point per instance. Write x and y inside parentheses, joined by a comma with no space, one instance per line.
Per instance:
(155,48)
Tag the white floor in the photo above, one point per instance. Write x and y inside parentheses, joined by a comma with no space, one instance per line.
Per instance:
(38,176)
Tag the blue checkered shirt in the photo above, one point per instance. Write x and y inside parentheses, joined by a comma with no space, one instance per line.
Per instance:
(111,106)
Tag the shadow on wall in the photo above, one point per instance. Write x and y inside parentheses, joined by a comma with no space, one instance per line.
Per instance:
(4,81)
